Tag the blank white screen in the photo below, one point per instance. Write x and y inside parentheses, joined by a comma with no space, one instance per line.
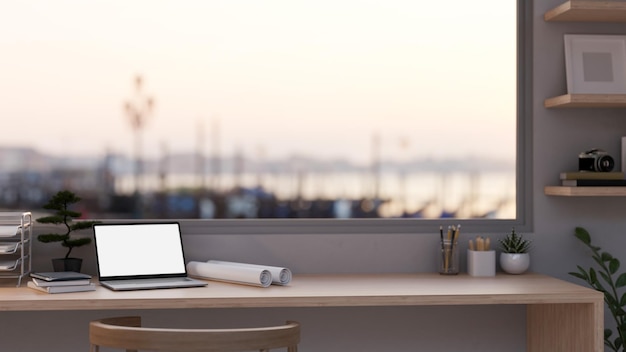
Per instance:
(139,249)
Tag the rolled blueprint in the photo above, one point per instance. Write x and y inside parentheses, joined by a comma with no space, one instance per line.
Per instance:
(280,275)
(241,275)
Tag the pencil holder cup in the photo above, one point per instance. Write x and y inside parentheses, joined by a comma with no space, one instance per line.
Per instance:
(481,263)
(448,258)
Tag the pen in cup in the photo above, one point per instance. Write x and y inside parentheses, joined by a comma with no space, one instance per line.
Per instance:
(448,260)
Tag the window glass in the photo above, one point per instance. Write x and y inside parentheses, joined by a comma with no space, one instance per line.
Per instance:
(262,109)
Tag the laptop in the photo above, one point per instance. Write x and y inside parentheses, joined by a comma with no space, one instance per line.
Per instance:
(141,256)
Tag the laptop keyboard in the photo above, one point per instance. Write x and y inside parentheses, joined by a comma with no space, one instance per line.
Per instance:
(149,283)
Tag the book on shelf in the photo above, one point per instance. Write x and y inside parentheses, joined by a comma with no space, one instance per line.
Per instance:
(59,276)
(62,289)
(44,283)
(592,175)
(594,183)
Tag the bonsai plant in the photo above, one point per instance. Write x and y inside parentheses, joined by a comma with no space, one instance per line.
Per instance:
(60,203)
(607,267)
(514,258)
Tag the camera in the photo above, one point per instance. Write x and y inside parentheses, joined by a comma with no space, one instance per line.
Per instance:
(595,160)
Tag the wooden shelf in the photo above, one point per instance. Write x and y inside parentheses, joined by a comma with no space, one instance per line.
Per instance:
(587,11)
(587,101)
(585,191)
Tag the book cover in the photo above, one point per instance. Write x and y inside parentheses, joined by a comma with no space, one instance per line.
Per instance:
(44,283)
(62,289)
(592,183)
(60,276)
(592,175)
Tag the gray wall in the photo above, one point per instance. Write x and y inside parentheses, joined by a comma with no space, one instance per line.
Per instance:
(558,136)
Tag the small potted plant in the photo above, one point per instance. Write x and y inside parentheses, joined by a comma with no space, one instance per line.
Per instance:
(514,258)
(60,203)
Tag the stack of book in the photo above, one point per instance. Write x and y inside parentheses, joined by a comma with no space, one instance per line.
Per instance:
(60,282)
(593,179)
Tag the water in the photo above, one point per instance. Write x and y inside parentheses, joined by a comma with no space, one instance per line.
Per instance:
(467,194)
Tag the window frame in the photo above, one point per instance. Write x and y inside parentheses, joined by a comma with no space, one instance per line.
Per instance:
(522,222)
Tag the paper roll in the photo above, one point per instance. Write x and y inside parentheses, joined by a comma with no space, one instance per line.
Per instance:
(242,275)
(280,275)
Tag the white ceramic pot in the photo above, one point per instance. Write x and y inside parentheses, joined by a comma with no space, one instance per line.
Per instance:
(514,263)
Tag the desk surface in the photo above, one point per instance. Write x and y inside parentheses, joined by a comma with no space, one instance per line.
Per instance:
(326,290)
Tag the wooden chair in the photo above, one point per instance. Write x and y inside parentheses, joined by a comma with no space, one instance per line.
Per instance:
(127,333)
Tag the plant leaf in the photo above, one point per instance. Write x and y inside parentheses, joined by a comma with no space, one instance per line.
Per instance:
(622,301)
(51,237)
(621,281)
(82,225)
(583,272)
(77,242)
(598,260)
(53,219)
(593,276)
(606,277)
(613,265)
(583,235)
(578,275)
(611,301)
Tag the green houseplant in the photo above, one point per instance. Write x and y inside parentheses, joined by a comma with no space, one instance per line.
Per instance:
(60,203)
(514,243)
(606,279)
(514,258)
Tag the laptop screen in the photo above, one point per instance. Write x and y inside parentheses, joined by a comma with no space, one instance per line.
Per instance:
(139,250)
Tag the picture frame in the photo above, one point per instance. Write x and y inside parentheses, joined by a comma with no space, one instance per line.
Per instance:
(595,64)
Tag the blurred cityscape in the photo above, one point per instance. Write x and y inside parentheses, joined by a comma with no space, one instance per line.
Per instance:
(344,120)
(194,185)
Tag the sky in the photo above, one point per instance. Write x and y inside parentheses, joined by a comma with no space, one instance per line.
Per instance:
(264,78)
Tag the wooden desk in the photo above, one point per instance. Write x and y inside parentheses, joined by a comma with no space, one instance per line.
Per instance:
(561,316)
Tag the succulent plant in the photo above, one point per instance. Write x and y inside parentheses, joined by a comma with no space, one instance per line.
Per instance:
(514,243)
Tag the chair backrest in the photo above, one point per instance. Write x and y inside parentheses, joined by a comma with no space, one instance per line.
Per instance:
(127,333)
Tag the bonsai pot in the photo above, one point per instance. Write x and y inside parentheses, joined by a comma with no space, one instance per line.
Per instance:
(67,264)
